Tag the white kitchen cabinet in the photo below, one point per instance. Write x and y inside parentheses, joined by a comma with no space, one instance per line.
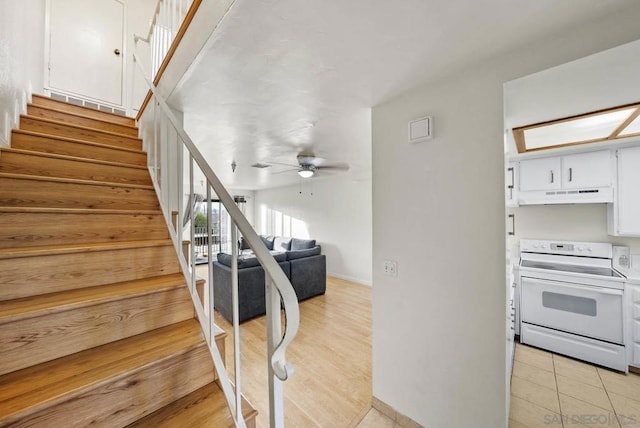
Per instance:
(587,170)
(540,174)
(633,322)
(624,213)
(569,179)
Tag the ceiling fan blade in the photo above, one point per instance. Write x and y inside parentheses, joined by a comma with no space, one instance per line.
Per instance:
(283,164)
(334,167)
(284,171)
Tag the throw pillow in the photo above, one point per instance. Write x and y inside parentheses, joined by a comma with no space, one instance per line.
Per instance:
(282,244)
(268,241)
(243,244)
(302,244)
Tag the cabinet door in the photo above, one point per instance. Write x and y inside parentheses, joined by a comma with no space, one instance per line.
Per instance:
(587,170)
(540,174)
(628,200)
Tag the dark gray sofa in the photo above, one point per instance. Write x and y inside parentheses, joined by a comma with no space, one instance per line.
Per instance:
(301,260)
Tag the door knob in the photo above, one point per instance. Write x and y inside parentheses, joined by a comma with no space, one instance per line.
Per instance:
(116,51)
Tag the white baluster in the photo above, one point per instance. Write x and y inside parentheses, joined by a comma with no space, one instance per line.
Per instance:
(193,226)
(154,52)
(160,27)
(167,29)
(236,316)
(180,221)
(210,262)
(156,134)
(164,160)
(176,17)
(274,335)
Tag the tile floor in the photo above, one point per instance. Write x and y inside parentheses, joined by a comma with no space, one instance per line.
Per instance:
(376,419)
(548,390)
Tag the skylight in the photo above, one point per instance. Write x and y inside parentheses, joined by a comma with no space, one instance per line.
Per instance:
(617,122)
(632,128)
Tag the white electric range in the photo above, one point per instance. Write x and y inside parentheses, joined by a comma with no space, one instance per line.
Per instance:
(572,301)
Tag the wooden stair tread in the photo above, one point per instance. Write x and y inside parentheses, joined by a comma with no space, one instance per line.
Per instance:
(58,128)
(48,210)
(45,250)
(72,158)
(119,309)
(19,309)
(73,125)
(205,407)
(75,140)
(48,383)
(37,98)
(82,116)
(74,181)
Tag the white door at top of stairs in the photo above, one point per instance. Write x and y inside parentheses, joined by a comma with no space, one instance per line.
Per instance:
(86,49)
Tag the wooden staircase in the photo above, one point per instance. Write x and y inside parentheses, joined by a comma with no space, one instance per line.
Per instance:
(97,325)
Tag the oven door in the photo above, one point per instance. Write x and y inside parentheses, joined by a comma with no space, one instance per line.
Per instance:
(586,310)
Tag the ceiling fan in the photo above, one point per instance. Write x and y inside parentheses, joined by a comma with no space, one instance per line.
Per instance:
(309,165)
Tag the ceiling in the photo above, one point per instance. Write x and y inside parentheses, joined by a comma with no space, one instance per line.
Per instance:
(278,77)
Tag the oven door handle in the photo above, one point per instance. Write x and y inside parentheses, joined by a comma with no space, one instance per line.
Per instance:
(587,288)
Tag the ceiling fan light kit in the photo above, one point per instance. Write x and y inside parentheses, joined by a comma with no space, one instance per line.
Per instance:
(308,165)
(306,172)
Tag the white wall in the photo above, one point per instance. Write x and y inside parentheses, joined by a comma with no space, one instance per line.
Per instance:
(21,59)
(438,209)
(336,212)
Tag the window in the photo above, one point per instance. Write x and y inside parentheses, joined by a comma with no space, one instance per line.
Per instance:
(604,125)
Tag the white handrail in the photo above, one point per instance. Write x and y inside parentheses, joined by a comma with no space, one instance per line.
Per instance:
(278,286)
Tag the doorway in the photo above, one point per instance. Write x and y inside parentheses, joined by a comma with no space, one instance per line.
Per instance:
(85,43)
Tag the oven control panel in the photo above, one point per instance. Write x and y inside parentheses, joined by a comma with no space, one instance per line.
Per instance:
(570,248)
(562,247)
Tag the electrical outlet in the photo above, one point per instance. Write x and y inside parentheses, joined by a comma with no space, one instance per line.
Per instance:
(391,267)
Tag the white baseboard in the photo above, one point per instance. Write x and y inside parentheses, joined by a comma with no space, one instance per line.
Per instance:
(351,278)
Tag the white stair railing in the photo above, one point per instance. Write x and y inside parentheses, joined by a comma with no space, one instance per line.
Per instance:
(167,19)
(174,159)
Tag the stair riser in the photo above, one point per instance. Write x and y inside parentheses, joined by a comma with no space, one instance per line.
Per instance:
(15,192)
(62,106)
(31,276)
(68,131)
(32,341)
(38,111)
(120,402)
(20,230)
(68,148)
(22,163)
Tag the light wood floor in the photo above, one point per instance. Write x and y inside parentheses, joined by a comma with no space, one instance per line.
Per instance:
(331,355)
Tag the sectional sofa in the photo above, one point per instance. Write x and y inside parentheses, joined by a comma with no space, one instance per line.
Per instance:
(300,259)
